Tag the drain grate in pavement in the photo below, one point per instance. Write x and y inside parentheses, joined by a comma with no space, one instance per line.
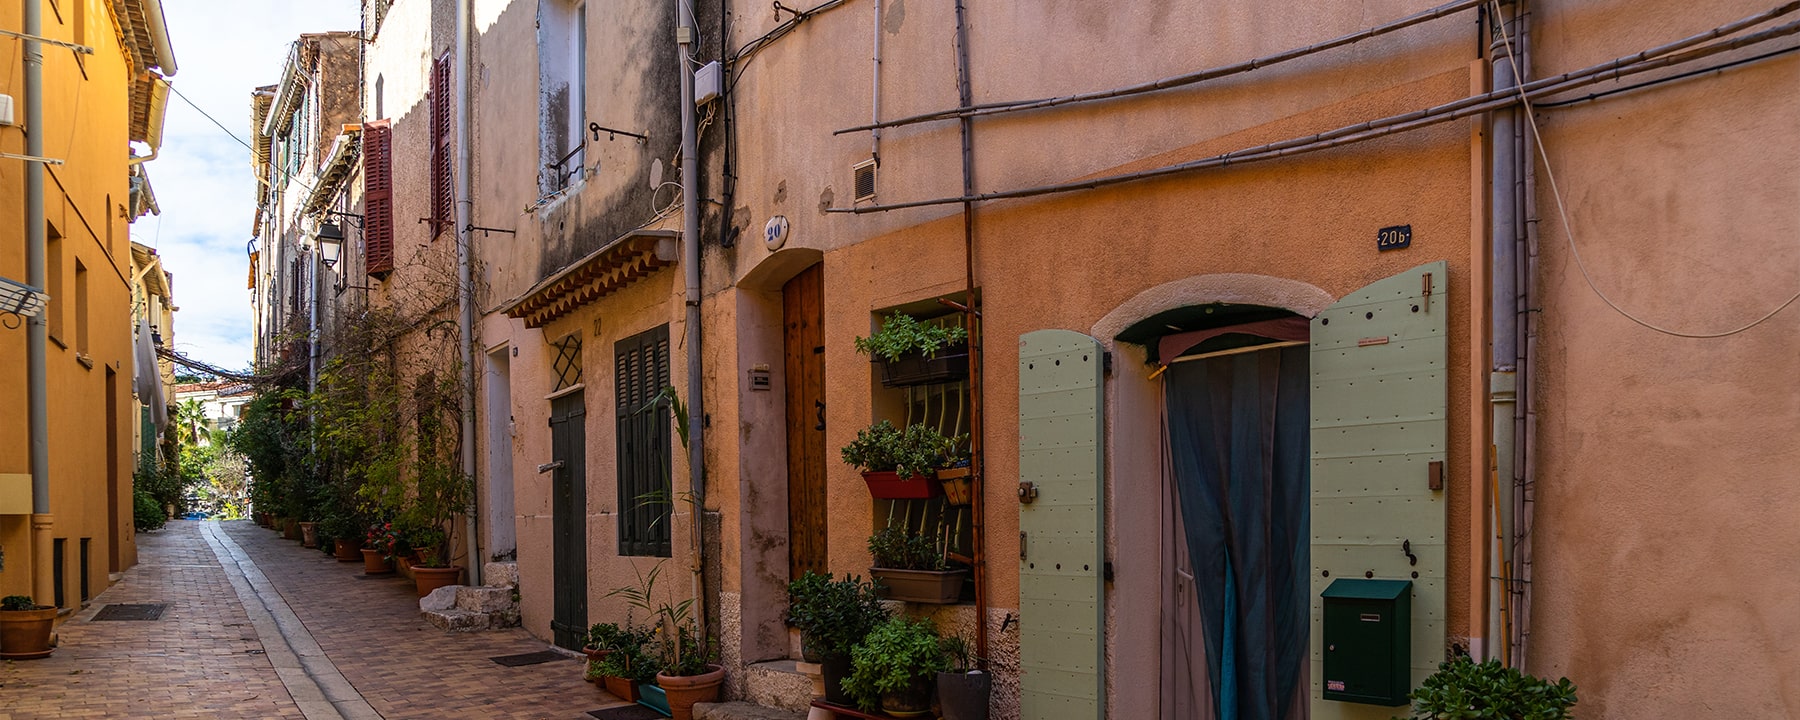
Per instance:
(119,611)
(627,712)
(533,658)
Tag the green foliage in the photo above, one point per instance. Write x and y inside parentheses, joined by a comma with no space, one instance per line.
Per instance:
(146,513)
(628,657)
(679,649)
(18,602)
(901,334)
(918,450)
(897,654)
(958,653)
(896,549)
(833,615)
(1465,690)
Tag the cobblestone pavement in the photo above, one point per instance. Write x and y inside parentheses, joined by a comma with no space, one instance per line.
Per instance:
(204,658)
(404,667)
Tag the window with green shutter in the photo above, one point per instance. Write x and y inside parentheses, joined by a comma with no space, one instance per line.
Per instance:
(640,372)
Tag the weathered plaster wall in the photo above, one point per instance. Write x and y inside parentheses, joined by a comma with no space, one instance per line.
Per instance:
(1665,533)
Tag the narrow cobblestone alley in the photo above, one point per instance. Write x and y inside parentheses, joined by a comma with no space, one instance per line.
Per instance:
(349,647)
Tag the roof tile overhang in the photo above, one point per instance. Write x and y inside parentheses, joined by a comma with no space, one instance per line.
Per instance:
(338,166)
(602,272)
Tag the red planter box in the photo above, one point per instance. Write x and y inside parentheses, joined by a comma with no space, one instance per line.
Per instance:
(890,486)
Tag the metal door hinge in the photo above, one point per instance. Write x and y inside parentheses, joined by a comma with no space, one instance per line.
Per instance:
(549,466)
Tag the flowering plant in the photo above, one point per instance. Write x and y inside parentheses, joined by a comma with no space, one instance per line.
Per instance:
(383,537)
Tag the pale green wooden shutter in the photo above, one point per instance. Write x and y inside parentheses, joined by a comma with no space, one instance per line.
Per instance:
(1379,420)
(1062,563)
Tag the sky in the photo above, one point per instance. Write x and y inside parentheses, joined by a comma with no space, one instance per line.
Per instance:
(202,176)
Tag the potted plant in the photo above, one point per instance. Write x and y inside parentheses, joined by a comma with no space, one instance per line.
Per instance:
(25,628)
(833,616)
(894,668)
(1463,688)
(616,658)
(900,464)
(917,353)
(689,672)
(341,529)
(380,545)
(913,567)
(963,690)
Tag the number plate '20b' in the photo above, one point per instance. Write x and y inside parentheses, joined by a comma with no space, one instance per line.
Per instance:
(1393,238)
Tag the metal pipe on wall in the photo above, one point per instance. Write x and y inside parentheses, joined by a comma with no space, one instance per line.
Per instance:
(1526,428)
(690,263)
(1503,188)
(972,318)
(875,94)
(465,281)
(37,329)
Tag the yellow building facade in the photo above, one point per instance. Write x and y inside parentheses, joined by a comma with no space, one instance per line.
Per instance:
(101,90)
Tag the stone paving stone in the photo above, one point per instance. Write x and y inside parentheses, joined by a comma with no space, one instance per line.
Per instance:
(201,660)
(404,667)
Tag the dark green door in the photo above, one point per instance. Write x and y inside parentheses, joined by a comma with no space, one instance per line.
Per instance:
(568,518)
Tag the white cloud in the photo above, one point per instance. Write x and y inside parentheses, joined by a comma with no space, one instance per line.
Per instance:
(202,176)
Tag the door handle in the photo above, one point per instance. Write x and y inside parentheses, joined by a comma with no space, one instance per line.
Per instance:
(549,466)
(820,406)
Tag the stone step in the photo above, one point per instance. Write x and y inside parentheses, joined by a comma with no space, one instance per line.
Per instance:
(485,599)
(500,574)
(778,684)
(455,620)
(743,711)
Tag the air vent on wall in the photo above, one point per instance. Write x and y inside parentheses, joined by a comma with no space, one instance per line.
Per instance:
(865,179)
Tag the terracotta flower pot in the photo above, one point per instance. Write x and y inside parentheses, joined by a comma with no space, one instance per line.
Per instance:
(374,563)
(888,485)
(309,534)
(621,688)
(941,587)
(683,692)
(427,579)
(25,634)
(346,550)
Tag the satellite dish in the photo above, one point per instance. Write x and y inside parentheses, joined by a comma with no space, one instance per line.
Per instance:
(656,173)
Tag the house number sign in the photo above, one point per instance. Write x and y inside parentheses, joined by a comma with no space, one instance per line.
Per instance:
(1393,238)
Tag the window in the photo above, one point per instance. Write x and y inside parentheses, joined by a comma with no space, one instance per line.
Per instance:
(562,72)
(58,558)
(84,568)
(81,308)
(443,208)
(378,199)
(640,372)
(53,282)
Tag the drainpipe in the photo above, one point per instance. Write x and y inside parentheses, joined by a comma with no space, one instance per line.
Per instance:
(1503,236)
(690,263)
(36,332)
(972,319)
(465,281)
(875,103)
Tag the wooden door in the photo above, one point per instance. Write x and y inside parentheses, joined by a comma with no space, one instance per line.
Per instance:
(803,315)
(568,451)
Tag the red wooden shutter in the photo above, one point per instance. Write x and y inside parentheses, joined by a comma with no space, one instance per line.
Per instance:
(378,198)
(443,209)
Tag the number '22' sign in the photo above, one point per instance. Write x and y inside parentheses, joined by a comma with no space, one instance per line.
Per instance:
(1393,238)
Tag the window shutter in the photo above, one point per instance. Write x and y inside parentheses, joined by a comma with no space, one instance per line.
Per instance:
(443,210)
(378,198)
(641,370)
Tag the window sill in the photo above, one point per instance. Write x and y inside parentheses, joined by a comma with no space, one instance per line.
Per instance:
(57,340)
(86,360)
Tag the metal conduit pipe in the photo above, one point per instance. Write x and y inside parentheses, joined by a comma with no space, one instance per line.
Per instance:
(37,332)
(465,280)
(1525,428)
(967,109)
(1645,61)
(972,320)
(875,93)
(1503,197)
(690,263)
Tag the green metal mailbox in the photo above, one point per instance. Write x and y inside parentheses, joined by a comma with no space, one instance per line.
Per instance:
(1368,641)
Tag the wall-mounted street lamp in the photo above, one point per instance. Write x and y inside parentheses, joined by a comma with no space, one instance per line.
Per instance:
(331,248)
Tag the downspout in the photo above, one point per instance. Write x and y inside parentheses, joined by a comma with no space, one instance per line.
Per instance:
(690,264)
(465,281)
(875,94)
(36,334)
(972,320)
(1503,236)
(1526,425)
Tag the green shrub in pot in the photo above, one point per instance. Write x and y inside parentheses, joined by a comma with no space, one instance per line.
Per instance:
(894,668)
(1463,689)
(833,615)
(901,333)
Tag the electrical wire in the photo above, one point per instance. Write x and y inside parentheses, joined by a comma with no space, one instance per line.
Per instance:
(215,121)
(1680,76)
(1562,211)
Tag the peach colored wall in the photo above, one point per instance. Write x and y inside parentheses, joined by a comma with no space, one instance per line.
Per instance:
(1665,533)
(85,114)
